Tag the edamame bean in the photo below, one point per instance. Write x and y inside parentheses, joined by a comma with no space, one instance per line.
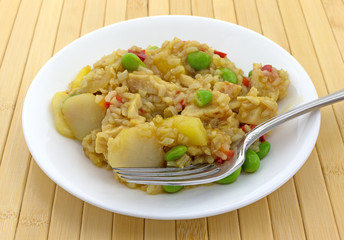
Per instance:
(154,47)
(264,149)
(203,97)
(252,161)
(172,189)
(250,73)
(131,62)
(175,153)
(199,60)
(231,178)
(228,75)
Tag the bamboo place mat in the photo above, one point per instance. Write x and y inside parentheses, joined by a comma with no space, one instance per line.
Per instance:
(308,206)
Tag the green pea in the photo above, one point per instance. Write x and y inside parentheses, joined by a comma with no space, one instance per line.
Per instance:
(252,161)
(228,75)
(154,47)
(172,189)
(231,178)
(199,60)
(264,149)
(175,153)
(203,97)
(131,62)
(250,73)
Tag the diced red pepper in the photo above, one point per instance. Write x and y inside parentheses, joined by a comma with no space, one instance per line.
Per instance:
(182,103)
(177,92)
(221,54)
(243,128)
(142,111)
(262,138)
(219,160)
(119,99)
(107,104)
(267,68)
(141,54)
(246,82)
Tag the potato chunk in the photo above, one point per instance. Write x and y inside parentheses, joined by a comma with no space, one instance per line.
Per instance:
(191,127)
(82,114)
(136,147)
(60,123)
(77,81)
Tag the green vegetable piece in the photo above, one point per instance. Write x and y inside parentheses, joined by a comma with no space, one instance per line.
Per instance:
(231,178)
(250,73)
(154,47)
(131,62)
(264,149)
(172,189)
(203,97)
(175,153)
(252,161)
(228,75)
(199,60)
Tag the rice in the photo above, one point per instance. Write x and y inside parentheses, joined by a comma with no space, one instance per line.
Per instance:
(147,98)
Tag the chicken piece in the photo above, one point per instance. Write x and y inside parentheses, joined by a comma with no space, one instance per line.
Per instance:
(255,110)
(231,89)
(135,104)
(151,84)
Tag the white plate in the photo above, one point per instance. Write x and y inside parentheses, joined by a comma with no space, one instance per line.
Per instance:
(63,160)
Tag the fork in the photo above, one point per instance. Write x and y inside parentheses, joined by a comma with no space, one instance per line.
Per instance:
(207,173)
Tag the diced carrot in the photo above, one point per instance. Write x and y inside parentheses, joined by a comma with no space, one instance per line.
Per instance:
(221,54)
(246,82)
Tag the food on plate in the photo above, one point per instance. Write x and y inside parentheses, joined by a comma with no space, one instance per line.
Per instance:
(176,105)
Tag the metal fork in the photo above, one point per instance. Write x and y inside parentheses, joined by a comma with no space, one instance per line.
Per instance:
(207,173)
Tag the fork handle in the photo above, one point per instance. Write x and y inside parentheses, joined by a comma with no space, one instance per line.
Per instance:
(266,126)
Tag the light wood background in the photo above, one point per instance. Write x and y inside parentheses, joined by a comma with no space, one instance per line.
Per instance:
(309,206)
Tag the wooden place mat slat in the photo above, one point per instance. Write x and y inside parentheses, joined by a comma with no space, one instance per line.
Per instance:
(302,49)
(331,64)
(224,10)
(66,216)
(158,7)
(224,226)
(115,11)
(334,10)
(203,8)
(156,229)
(8,13)
(96,223)
(192,229)
(137,8)
(125,227)
(180,7)
(11,74)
